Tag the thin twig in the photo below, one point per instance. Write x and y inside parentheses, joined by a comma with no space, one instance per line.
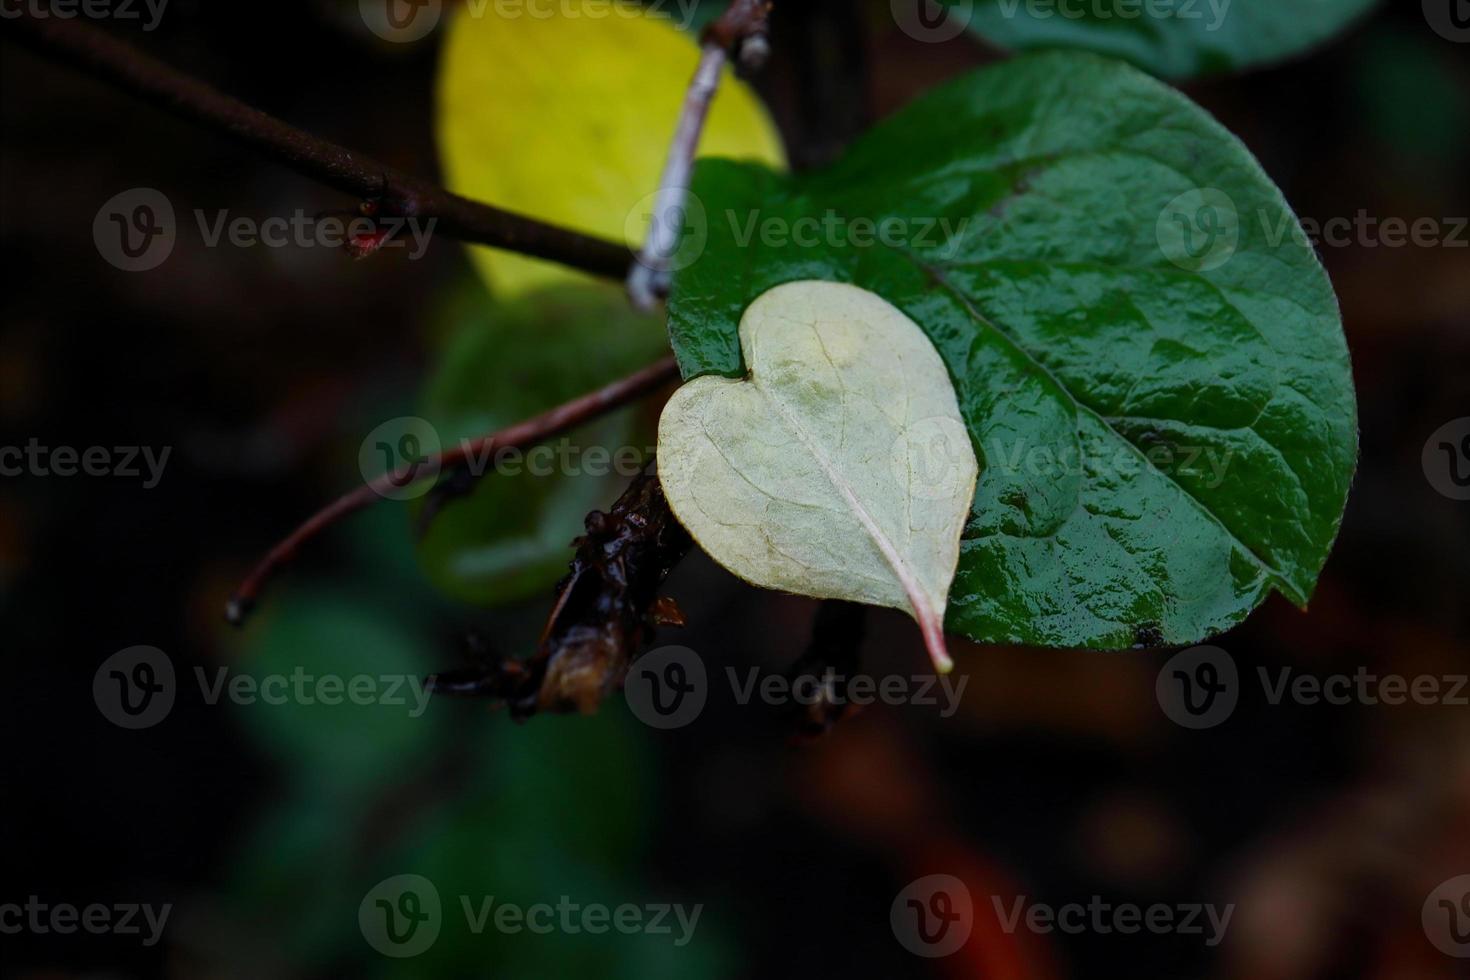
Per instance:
(648,280)
(742,29)
(519,436)
(390,192)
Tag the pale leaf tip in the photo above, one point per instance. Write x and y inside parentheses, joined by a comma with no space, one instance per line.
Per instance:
(932,626)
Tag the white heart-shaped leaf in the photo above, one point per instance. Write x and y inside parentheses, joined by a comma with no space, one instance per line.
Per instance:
(838,467)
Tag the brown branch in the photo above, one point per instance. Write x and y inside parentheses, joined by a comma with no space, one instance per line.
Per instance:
(93,51)
(533,430)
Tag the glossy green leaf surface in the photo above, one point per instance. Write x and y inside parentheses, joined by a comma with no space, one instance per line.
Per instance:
(1171,38)
(1147,354)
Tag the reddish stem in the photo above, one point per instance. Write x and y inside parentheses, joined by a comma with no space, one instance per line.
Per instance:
(529,432)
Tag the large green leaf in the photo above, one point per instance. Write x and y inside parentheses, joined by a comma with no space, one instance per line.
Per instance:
(1172,38)
(1127,294)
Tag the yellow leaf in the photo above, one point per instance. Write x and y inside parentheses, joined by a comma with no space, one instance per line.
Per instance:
(564,111)
(838,467)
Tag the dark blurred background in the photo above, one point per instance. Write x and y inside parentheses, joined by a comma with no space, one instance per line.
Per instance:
(1059,778)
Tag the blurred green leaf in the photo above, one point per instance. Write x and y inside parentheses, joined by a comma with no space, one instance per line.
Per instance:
(319,638)
(1414,101)
(1180,39)
(479,806)
(562,811)
(510,538)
